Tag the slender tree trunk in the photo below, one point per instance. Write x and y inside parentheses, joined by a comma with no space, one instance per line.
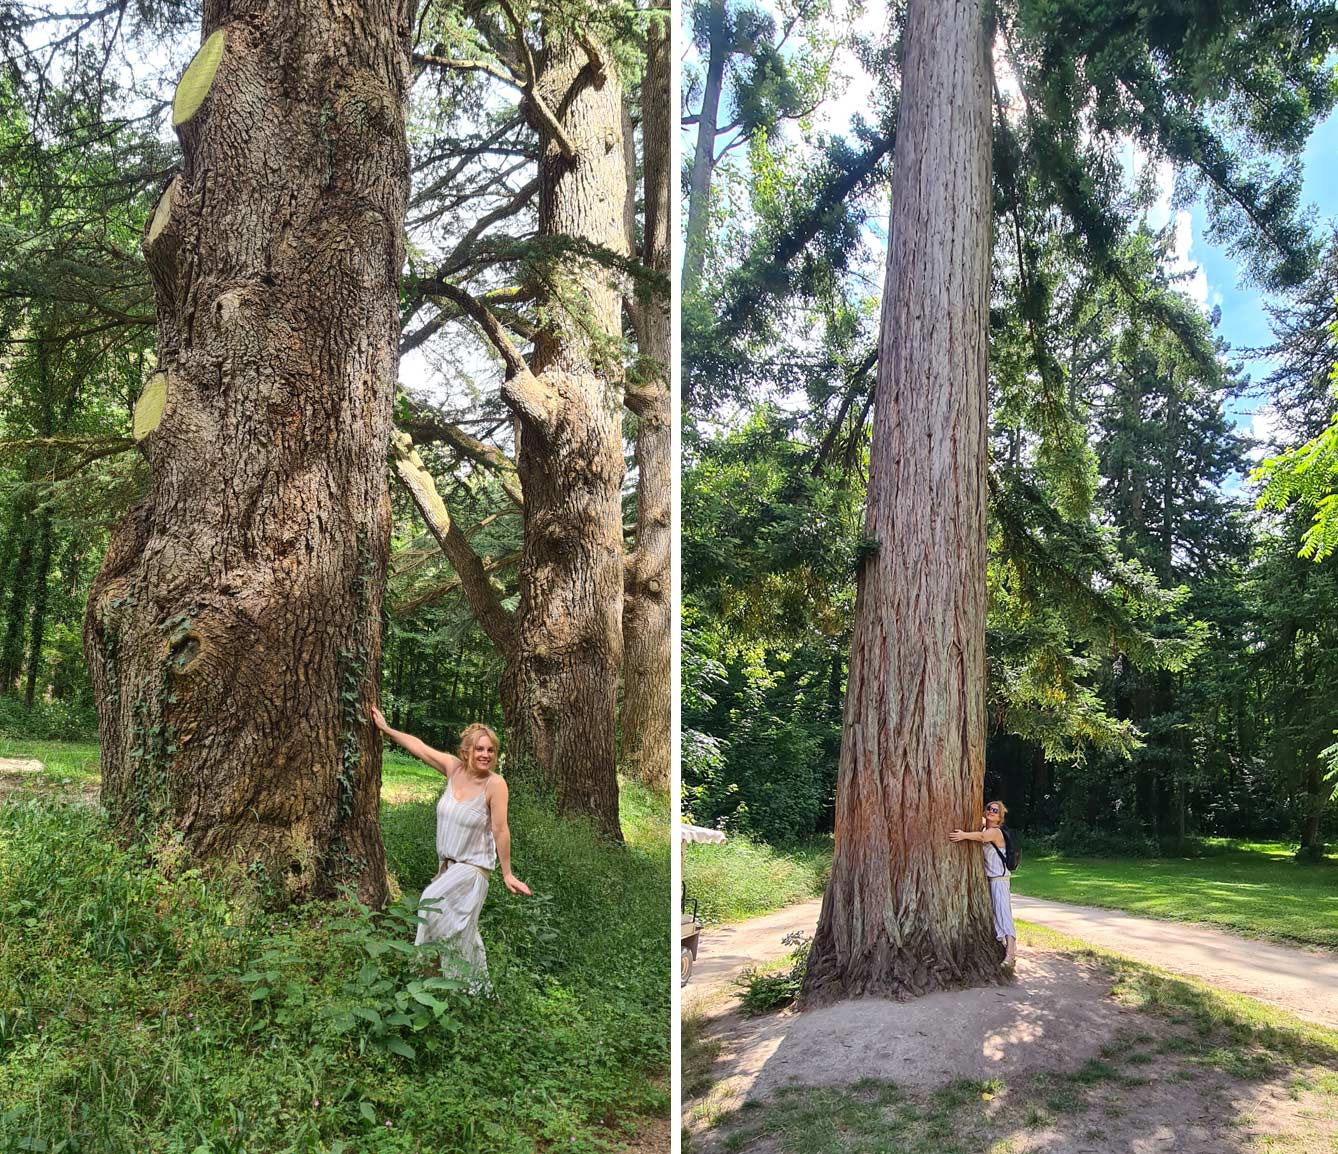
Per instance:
(703,160)
(1316,799)
(67,675)
(37,628)
(20,584)
(562,680)
(234,631)
(455,682)
(646,614)
(46,534)
(907,911)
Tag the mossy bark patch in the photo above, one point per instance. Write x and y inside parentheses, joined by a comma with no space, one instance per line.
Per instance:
(163,211)
(149,407)
(198,78)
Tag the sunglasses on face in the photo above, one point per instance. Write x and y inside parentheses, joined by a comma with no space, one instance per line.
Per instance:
(991,809)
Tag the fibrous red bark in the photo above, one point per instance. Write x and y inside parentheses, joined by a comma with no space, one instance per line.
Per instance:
(907,911)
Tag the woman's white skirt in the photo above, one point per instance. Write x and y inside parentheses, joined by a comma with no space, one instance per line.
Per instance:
(1001,898)
(448,912)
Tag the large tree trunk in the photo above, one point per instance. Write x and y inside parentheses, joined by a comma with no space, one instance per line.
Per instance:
(563,678)
(646,615)
(907,911)
(37,629)
(233,633)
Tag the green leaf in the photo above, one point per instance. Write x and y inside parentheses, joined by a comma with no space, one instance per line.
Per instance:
(370,1015)
(397,1046)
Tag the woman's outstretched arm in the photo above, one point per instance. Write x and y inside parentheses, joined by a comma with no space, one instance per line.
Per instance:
(444,763)
(993,836)
(501,833)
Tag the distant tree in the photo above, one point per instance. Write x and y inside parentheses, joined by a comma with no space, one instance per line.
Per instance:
(752,82)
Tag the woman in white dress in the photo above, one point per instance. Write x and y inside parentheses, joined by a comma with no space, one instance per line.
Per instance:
(472,838)
(991,837)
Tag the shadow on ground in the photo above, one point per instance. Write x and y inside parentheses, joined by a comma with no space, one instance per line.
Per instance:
(1048,1064)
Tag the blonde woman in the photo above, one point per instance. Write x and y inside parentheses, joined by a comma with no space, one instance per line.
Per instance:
(472,838)
(995,848)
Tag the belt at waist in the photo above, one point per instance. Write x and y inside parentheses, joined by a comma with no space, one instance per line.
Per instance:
(447,862)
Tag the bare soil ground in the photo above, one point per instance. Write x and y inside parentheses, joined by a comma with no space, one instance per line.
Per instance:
(17,783)
(1300,981)
(1051,1063)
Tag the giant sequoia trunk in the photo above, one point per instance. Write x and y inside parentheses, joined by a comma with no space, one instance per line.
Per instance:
(563,679)
(907,911)
(233,632)
(646,616)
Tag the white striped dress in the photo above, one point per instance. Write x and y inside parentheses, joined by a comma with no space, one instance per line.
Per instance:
(1000,892)
(449,908)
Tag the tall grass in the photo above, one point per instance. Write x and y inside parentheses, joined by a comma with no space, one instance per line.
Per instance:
(744,878)
(153,1010)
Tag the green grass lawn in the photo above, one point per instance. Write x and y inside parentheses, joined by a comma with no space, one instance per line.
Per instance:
(76,761)
(1252,888)
(145,1007)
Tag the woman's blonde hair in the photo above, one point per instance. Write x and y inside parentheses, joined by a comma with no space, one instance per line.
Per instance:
(469,738)
(1003,809)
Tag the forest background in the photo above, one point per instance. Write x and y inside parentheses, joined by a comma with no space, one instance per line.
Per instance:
(1162,646)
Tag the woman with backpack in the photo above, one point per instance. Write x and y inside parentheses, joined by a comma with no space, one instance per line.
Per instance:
(994,843)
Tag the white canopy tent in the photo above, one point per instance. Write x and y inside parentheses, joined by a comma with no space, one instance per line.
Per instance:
(699,833)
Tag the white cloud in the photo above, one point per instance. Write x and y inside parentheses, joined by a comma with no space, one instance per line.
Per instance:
(1263,427)
(1159,214)
(1195,284)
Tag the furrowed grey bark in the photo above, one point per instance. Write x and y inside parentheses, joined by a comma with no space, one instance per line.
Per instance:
(568,407)
(646,614)
(233,633)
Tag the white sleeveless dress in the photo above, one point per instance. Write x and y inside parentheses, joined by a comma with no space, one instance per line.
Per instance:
(450,905)
(1000,892)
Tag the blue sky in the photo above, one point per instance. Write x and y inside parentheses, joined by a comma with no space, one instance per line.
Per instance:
(1244,322)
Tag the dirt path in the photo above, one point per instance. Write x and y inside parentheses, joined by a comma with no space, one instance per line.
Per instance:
(1302,982)
(726,951)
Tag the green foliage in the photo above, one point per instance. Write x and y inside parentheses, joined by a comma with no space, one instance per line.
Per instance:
(47,720)
(765,991)
(1076,840)
(1307,477)
(154,1009)
(744,878)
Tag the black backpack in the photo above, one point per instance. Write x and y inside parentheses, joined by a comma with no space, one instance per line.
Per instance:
(1011,854)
